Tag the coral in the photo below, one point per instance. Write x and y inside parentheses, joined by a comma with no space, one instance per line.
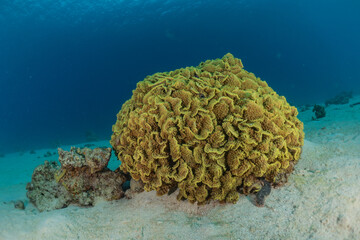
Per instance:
(82,179)
(341,98)
(208,130)
(319,112)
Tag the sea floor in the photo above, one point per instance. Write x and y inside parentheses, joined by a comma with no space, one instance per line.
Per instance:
(320,201)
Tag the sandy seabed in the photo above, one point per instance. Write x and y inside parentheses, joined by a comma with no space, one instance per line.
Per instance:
(320,201)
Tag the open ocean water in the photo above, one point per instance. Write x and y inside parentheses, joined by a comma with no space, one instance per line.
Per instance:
(67,66)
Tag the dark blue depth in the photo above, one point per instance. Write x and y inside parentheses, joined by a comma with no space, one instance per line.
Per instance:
(66,67)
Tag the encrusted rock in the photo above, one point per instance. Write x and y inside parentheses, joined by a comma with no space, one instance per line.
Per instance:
(82,179)
(44,192)
(136,186)
(96,159)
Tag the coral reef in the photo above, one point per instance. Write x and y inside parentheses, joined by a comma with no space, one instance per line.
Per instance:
(209,131)
(319,112)
(341,98)
(82,179)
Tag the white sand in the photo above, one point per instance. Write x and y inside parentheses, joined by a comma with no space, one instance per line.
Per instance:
(320,201)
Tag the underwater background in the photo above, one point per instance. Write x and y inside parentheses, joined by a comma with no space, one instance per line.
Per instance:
(67,66)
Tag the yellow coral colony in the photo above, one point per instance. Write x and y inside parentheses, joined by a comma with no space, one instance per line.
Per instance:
(209,130)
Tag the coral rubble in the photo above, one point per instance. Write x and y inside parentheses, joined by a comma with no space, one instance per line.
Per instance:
(209,131)
(82,178)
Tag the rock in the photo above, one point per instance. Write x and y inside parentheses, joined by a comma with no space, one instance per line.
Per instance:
(136,186)
(319,112)
(19,205)
(95,159)
(44,191)
(82,179)
(262,194)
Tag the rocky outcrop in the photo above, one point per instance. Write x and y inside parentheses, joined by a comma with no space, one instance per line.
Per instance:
(82,179)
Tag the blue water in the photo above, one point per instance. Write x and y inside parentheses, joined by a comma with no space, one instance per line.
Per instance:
(66,67)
